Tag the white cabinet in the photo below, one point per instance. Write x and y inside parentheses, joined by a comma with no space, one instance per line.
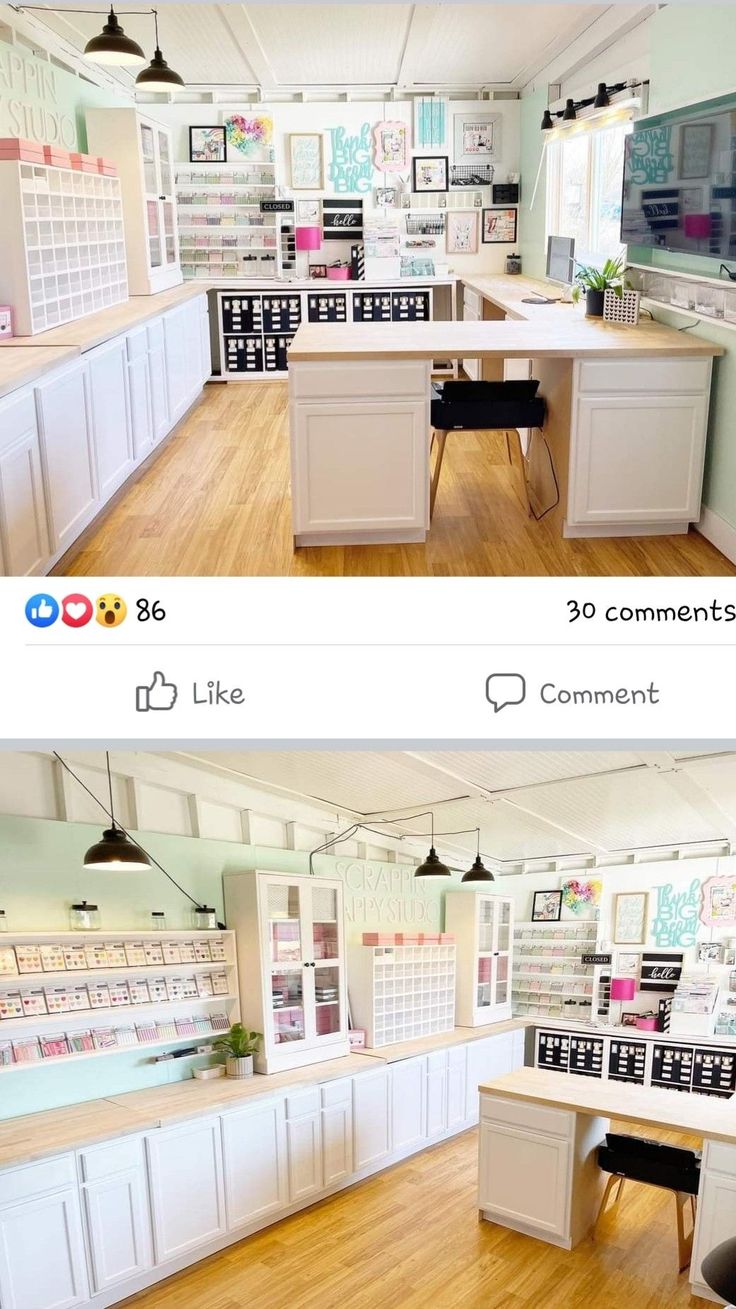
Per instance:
(291,960)
(205,347)
(42,1262)
(716,1214)
(187,1197)
(254,1156)
(67,453)
(24,535)
(483,929)
(304,1144)
(436,1092)
(139,393)
(371,1117)
(107,371)
(456,1086)
(142,150)
(116,1210)
(488,1058)
(182,351)
(160,419)
(524,1178)
(337,1131)
(408,1103)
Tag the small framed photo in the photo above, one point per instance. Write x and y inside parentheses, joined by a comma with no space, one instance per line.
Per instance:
(477,199)
(627,963)
(499,227)
(207,145)
(709,952)
(547,907)
(462,232)
(385,197)
(406,200)
(628,1019)
(430,173)
(308,213)
(477,138)
(318,271)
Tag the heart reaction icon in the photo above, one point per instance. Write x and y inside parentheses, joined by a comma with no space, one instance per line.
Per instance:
(76,610)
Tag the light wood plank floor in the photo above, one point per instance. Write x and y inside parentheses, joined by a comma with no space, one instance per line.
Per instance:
(216,503)
(410,1238)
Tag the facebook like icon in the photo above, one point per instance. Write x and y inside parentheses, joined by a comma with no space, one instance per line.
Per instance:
(42,610)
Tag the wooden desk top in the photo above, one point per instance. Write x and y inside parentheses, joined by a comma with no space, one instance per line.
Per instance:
(20,366)
(391,1054)
(699,1115)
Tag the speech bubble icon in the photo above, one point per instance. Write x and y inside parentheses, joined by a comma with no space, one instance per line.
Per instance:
(503,689)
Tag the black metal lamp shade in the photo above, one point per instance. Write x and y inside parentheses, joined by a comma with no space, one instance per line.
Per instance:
(547,122)
(719,1270)
(112,46)
(158,76)
(478,872)
(116,852)
(432,866)
(602,99)
(569,113)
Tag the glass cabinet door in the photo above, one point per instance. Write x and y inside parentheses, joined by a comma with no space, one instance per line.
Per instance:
(154,233)
(164,164)
(169,231)
(483,981)
(283,912)
(151,193)
(327,950)
(502,953)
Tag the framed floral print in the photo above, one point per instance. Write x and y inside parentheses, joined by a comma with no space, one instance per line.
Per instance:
(430,173)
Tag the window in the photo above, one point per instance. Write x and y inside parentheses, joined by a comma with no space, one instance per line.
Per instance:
(584,180)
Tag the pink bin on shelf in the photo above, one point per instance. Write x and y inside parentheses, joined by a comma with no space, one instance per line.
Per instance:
(648,1023)
(338,274)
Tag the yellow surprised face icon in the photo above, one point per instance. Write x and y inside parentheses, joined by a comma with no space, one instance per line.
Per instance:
(110,610)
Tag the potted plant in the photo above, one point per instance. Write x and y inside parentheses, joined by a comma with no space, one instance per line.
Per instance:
(595,281)
(238,1045)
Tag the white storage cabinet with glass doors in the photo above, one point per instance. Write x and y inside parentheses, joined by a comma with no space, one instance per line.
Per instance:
(142,151)
(291,943)
(483,927)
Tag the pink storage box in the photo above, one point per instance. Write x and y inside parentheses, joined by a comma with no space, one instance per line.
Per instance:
(447,938)
(357,1038)
(428,938)
(55,155)
(338,274)
(379,938)
(84,163)
(407,938)
(648,1023)
(106,166)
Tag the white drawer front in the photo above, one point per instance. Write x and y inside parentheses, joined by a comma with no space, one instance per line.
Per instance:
(116,1157)
(720,1158)
(35,1179)
(17,417)
(340,1092)
(472,300)
(520,1113)
(304,1102)
(372,379)
(651,376)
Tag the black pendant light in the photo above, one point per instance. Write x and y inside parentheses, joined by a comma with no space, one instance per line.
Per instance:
(115,850)
(547,123)
(602,100)
(433,865)
(158,76)
(569,113)
(478,872)
(112,46)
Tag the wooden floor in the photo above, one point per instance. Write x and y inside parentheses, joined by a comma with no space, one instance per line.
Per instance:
(410,1238)
(216,503)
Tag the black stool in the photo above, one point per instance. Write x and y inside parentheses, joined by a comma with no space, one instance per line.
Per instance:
(486,407)
(632,1158)
(718,1270)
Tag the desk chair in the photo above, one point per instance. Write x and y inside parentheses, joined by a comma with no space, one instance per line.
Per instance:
(487,407)
(718,1270)
(632,1158)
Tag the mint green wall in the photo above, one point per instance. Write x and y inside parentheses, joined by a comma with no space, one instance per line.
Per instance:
(41,874)
(40,102)
(533,221)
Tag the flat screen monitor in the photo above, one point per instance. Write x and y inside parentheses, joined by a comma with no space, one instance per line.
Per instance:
(561,259)
(680,183)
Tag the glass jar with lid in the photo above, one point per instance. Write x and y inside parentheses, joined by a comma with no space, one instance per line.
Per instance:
(158,920)
(84,917)
(3,921)
(205,918)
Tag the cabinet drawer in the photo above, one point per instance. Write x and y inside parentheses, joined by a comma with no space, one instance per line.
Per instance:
(720,1158)
(35,1179)
(651,376)
(340,1092)
(104,1160)
(472,301)
(17,417)
(303,1102)
(336,381)
(534,1117)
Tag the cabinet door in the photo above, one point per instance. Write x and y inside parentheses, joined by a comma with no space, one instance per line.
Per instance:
(187,1199)
(181,345)
(408,1103)
(489,1058)
(436,1092)
(107,370)
(324,947)
(139,394)
(204,342)
(67,453)
(637,459)
(304,1147)
(151,192)
(116,1210)
(42,1263)
(160,420)
(371,1117)
(524,1177)
(502,936)
(24,534)
(337,1142)
(716,1217)
(456,1085)
(284,934)
(254,1146)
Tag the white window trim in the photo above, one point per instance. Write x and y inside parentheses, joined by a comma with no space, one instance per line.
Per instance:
(554,176)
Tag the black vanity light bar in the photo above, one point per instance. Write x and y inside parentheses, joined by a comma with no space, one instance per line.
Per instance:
(601,100)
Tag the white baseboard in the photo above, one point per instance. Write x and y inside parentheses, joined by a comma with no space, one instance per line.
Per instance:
(720,533)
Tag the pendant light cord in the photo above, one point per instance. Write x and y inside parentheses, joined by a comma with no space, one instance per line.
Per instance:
(364,827)
(109,787)
(120,827)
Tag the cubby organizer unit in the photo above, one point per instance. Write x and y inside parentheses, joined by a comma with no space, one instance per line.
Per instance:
(549,978)
(63,995)
(222,232)
(401,992)
(65,228)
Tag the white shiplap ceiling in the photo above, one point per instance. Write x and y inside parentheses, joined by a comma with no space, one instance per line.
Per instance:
(280,47)
(530,806)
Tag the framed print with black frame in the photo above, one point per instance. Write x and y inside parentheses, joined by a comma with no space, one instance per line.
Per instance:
(430,173)
(547,906)
(499,227)
(207,145)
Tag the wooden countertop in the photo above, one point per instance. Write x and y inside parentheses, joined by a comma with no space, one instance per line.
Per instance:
(555,338)
(700,1115)
(35,1136)
(391,1054)
(21,366)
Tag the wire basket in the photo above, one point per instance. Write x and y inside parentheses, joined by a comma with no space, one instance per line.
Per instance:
(623,308)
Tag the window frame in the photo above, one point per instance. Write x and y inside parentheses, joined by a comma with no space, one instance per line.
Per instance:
(593,135)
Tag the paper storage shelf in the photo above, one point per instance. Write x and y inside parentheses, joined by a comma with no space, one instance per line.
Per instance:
(65,231)
(548,976)
(222,232)
(401,992)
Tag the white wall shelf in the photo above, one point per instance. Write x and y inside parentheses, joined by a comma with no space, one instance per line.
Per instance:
(223,209)
(398,993)
(557,992)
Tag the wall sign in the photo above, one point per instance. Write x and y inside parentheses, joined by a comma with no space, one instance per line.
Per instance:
(342,220)
(599,960)
(675,921)
(660,972)
(307,166)
(351,166)
(389,894)
(277,206)
(630,918)
(37,101)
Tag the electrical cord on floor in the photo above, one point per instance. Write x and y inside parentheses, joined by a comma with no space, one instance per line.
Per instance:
(538,517)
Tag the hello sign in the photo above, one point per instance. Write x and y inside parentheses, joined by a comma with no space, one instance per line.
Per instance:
(660,972)
(342,220)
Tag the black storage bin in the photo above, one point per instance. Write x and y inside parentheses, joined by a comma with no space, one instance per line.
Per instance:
(642,1160)
(486,405)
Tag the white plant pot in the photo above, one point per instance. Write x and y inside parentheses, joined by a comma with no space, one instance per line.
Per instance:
(239,1067)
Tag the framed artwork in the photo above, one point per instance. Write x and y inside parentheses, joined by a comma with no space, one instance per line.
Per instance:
(627,963)
(476,138)
(391,146)
(306,161)
(248,135)
(441,201)
(709,952)
(499,227)
(405,200)
(342,220)
(318,271)
(659,971)
(462,232)
(675,917)
(385,197)
(628,1019)
(308,213)
(207,145)
(429,173)
(581,897)
(630,917)
(547,906)
(696,146)
(718,905)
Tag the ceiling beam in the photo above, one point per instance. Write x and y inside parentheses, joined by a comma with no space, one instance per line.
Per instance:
(688,788)
(238,22)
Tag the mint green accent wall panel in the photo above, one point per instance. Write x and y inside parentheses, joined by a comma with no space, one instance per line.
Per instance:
(41,874)
(40,102)
(533,221)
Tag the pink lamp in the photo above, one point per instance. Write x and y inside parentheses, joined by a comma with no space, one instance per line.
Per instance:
(623,988)
(308,238)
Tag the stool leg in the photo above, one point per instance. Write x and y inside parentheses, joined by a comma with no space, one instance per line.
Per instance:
(614,1180)
(684,1243)
(522,462)
(441,438)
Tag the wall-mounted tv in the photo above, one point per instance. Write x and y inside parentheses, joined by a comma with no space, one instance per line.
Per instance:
(680,183)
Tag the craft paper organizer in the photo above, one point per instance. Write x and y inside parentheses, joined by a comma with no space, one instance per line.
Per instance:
(548,976)
(398,993)
(239,242)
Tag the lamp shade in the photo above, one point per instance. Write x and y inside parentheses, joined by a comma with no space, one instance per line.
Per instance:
(308,238)
(547,123)
(432,866)
(478,872)
(112,46)
(623,988)
(116,852)
(158,76)
(718,1270)
(569,113)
